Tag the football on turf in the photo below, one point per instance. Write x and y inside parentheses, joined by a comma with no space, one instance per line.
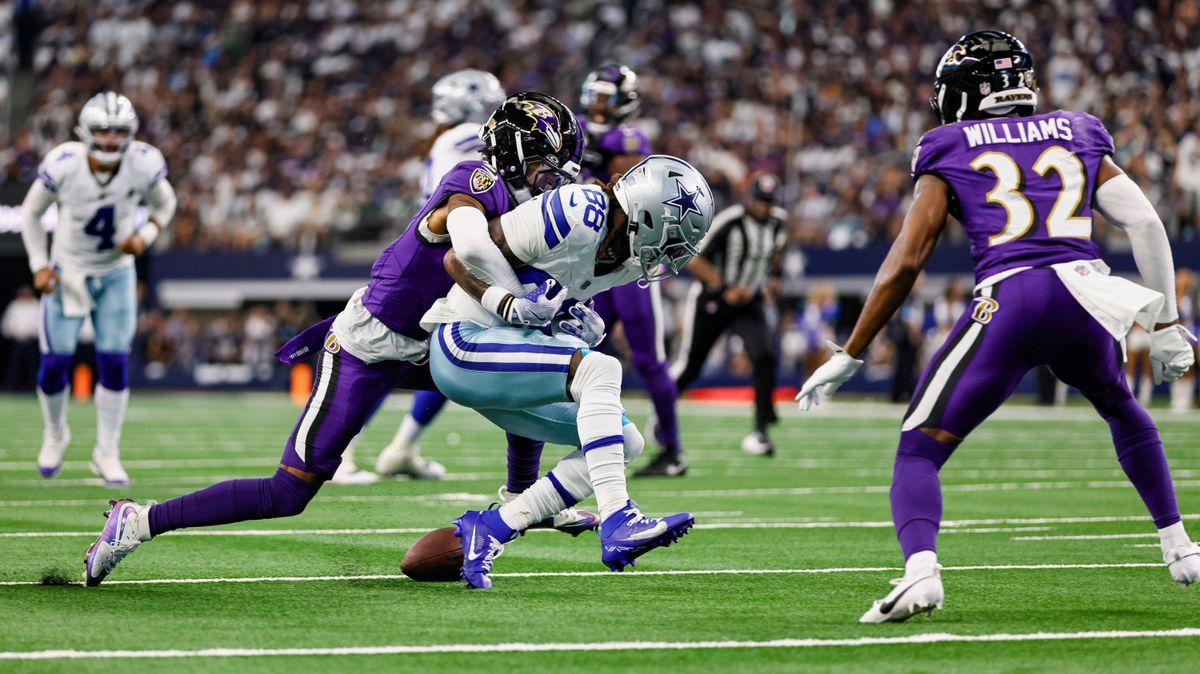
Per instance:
(437,557)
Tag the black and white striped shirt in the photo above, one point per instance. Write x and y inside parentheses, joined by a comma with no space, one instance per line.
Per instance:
(742,248)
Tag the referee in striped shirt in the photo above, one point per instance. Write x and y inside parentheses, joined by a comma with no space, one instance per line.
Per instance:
(741,252)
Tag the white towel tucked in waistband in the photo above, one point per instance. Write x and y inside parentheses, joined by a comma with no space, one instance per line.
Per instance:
(76,300)
(1114,302)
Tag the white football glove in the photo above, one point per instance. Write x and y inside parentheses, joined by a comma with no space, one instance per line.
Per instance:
(538,307)
(584,324)
(1171,353)
(826,379)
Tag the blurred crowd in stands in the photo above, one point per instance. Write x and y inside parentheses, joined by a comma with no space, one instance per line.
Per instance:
(297,124)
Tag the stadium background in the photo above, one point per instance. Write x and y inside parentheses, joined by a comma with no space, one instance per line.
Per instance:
(294,134)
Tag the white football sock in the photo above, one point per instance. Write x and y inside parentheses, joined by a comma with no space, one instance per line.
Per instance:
(1181,394)
(110,415)
(54,412)
(1145,390)
(533,505)
(349,453)
(597,389)
(1173,537)
(920,563)
(405,441)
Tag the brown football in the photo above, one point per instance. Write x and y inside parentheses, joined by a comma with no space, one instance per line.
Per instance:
(437,557)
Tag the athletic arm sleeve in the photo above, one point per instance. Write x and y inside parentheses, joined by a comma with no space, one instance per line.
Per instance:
(161,200)
(1122,202)
(468,228)
(37,200)
(524,230)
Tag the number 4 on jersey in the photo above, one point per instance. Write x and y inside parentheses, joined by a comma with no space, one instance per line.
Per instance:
(104,225)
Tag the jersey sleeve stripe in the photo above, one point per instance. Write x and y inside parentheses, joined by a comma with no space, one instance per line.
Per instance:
(469,142)
(551,235)
(560,218)
(48,181)
(162,173)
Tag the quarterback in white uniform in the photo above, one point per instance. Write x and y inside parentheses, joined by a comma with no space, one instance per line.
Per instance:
(552,387)
(98,184)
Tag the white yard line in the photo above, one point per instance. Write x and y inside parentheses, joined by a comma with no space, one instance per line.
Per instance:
(606,574)
(929,638)
(1087,537)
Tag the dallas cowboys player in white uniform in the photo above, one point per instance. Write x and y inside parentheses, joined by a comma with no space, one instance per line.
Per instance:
(462,102)
(98,183)
(552,387)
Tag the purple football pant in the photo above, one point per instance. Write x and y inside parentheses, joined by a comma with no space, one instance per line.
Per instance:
(640,312)
(1020,323)
(345,393)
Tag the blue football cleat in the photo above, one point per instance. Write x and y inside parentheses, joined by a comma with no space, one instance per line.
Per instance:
(483,536)
(628,534)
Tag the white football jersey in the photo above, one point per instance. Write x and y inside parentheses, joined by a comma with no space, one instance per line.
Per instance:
(456,144)
(558,234)
(94,217)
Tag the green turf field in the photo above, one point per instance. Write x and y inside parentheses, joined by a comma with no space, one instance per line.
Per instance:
(1043,535)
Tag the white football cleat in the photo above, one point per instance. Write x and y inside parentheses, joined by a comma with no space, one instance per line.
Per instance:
(920,594)
(395,460)
(106,464)
(123,532)
(50,457)
(758,444)
(1183,561)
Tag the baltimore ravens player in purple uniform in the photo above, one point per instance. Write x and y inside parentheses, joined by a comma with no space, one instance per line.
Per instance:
(609,99)
(1023,185)
(376,343)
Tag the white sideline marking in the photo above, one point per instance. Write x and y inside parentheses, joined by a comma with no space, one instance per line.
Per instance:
(607,574)
(883,489)
(948,528)
(930,638)
(1084,537)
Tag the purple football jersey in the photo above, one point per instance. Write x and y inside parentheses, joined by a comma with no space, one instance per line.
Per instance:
(603,146)
(1021,187)
(408,277)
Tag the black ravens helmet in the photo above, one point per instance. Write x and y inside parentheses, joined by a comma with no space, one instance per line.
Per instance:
(533,127)
(984,74)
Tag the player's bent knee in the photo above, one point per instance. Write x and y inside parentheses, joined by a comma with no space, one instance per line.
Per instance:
(287,495)
(597,372)
(634,442)
(54,372)
(113,370)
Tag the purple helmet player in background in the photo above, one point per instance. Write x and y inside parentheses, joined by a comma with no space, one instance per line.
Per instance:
(609,98)
(376,343)
(1024,186)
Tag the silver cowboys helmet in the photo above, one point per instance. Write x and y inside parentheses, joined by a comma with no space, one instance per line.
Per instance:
(670,208)
(466,96)
(103,112)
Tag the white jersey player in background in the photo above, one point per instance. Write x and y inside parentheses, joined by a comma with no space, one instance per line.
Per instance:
(98,184)
(462,102)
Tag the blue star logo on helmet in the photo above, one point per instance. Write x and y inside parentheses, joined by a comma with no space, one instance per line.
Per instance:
(545,121)
(685,201)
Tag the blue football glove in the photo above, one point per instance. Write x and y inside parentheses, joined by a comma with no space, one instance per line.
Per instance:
(585,324)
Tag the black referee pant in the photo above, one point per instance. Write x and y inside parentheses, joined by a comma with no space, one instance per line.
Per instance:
(709,318)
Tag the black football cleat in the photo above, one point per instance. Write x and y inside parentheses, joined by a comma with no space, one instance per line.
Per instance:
(666,464)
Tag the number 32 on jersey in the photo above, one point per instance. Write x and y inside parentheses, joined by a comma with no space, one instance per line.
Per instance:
(1062,221)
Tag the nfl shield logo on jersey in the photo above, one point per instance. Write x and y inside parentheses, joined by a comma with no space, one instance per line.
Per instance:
(482,180)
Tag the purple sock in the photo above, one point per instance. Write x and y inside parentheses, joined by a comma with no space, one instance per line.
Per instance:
(916,493)
(663,394)
(1140,451)
(281,495)
(524,461)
